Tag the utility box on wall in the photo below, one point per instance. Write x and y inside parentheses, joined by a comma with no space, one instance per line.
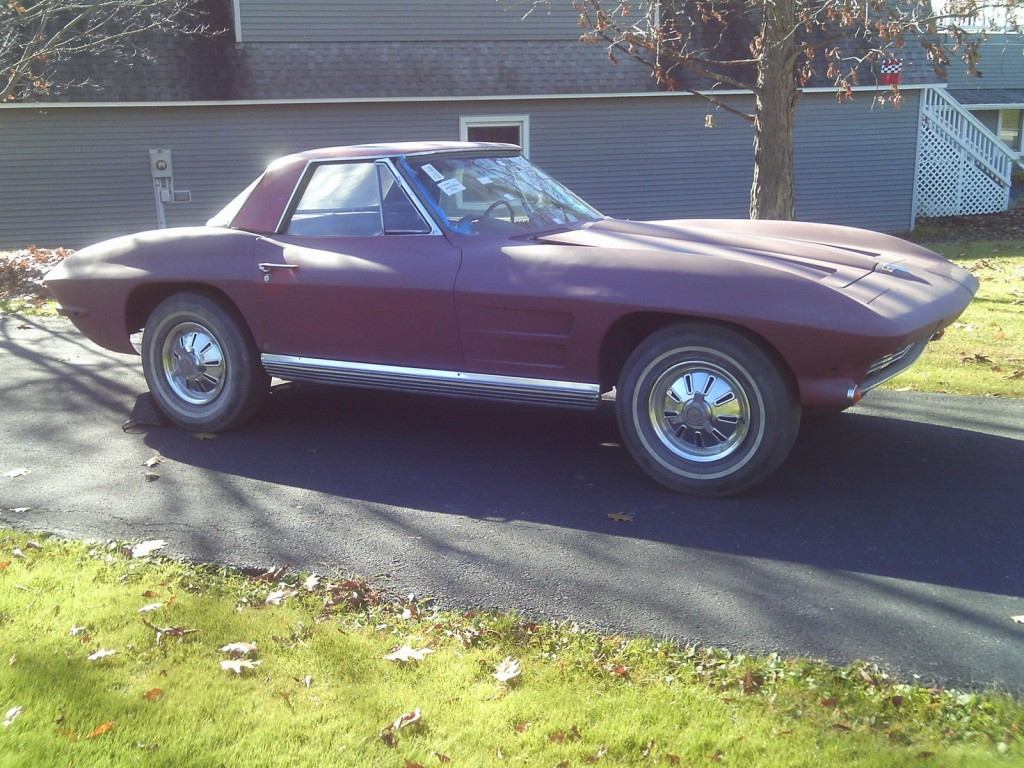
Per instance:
(161,169)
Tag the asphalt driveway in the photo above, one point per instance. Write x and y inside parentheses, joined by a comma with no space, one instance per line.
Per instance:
(895,532)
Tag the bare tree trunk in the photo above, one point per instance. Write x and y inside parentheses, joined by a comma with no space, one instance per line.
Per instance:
(772,195)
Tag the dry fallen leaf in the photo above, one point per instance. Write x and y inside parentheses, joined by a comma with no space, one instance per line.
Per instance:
(153,461)
(272,575)
(151,607)
(508,670)
(599,755)
(311,583)
(16,552)
(620,517)
(153,694)
(977,357)
(279,596)
(618,670)
(102,653)
(12,714)
(33,545)
(405,653)
(19,472)
(76,631)
(99,730)
(560,737)
(239,649)
(671,759)
(413,764)
(162,632)
(442,758)
(144,548)
(407,719)
(204,435)
(238,666)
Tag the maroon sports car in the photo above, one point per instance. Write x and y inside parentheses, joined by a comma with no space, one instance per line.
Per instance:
(462,269)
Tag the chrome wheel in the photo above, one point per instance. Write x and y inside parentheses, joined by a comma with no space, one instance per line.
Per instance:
(193,363)
(699,411)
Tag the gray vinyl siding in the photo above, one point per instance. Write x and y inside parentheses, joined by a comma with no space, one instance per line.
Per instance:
(392,20)
(78,175)
(1001,65)
(989,118)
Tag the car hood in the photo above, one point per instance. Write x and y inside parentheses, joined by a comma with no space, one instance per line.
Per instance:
(834,254)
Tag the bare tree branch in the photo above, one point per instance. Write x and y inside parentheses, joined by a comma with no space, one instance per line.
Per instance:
(37,37)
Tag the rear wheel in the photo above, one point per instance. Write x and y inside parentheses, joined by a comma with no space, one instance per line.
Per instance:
(706,410)
(201,364)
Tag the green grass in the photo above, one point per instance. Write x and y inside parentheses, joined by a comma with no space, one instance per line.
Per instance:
(29,307)
(582,696)
(983,352)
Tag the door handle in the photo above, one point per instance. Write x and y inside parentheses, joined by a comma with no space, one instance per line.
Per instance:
(266,267)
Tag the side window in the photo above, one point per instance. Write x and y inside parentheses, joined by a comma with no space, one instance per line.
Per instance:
(340,200)
(354,200)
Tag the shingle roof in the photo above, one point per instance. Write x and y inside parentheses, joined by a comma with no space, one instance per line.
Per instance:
(988,95)
(215,68)
(196,69)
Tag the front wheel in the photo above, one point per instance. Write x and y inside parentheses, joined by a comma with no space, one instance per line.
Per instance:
(201,365)
(705,410)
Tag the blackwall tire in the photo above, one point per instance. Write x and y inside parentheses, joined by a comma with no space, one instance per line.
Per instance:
(706,410)
(201,364)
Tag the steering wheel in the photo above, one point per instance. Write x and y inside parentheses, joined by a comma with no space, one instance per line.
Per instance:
(490,210)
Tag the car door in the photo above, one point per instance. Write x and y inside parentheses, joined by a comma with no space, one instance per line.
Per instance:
(359,274)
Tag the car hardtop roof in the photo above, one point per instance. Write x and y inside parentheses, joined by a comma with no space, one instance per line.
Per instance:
(397,149)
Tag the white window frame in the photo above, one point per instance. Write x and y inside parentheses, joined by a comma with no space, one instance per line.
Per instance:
(496,121)
(236,13)
(1020,133)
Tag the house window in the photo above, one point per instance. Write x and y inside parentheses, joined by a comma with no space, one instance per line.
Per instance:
(505,129)
(1010,127)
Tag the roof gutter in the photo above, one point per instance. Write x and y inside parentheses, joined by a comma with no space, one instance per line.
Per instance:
(44,105)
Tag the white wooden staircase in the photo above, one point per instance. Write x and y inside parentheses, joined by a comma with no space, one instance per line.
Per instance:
(962,167)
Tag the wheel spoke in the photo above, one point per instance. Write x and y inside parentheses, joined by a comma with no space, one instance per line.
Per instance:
(699,411)
(194,364)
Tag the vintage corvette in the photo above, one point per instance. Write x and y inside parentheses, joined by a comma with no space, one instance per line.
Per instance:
(462,269)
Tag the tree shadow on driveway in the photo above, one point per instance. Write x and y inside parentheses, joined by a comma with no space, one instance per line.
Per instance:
(860,493)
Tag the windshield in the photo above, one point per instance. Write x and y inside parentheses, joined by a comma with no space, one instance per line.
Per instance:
(496,195)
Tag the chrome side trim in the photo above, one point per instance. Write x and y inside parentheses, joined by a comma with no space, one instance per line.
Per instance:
(890,359)
(894,364)
(567,394)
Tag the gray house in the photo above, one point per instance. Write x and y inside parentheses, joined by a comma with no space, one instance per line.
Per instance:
(290,76)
